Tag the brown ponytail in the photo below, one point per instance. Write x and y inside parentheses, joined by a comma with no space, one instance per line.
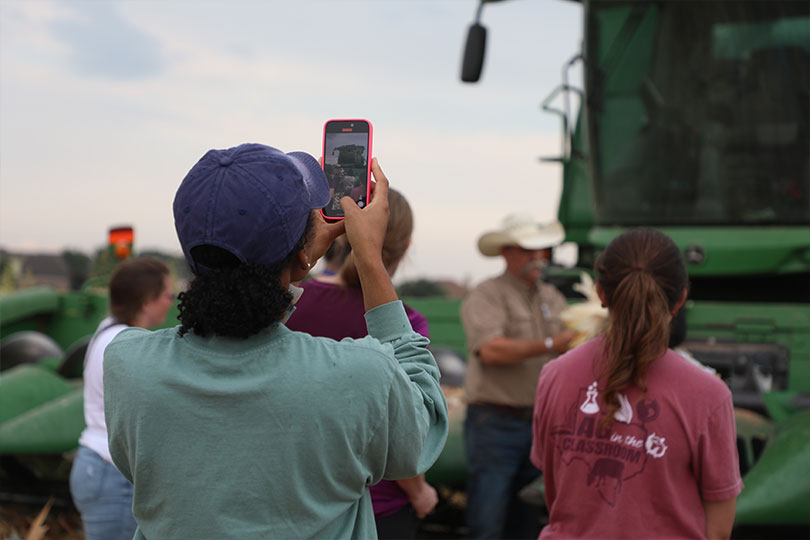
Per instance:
(396,242)
(642,275)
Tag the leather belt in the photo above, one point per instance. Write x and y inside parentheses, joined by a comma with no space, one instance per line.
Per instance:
(524,413)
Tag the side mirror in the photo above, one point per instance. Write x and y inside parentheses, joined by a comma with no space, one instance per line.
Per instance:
(474,53)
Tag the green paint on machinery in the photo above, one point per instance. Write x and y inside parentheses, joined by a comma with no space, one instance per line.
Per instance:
(64,317)
(43,338)
(445,326)
(25,387)
(776,488)
(51,427)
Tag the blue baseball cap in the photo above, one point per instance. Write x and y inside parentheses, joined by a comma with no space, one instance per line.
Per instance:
(251,200)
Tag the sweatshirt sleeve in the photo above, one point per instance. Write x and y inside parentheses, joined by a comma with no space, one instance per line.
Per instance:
(411,437)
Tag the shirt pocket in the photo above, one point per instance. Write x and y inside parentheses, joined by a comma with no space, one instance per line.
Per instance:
(522,324)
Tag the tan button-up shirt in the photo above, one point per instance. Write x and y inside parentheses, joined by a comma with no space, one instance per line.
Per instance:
(506,307)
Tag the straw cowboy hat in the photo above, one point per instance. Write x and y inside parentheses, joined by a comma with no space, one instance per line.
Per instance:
(521,230)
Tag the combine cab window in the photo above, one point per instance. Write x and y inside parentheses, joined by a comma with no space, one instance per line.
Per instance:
(700,116)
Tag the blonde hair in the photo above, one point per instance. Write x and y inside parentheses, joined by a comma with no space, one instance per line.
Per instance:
(397,238)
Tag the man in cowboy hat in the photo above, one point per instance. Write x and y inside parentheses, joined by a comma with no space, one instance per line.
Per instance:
(513,328)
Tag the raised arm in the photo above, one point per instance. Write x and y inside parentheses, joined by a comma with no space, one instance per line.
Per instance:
(413,434)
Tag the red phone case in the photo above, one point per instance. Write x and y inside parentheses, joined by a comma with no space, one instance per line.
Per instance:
(368,160)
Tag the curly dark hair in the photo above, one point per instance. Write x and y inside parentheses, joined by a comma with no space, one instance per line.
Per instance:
(240,299)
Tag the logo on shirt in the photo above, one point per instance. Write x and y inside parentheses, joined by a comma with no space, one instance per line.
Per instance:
(655,446)
(612,455)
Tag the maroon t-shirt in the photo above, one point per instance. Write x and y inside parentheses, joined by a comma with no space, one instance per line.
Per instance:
(338,312)
(647,474)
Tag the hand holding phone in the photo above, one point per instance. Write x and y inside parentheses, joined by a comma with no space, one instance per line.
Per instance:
(347,164)
(365,230)
(366,227)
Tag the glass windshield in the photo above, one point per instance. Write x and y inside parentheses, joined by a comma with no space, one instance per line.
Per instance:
(699,115)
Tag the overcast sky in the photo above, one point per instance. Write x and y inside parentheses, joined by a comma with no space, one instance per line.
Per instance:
(104,107)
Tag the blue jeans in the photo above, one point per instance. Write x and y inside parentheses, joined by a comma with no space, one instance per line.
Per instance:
(103,497)
(498,445)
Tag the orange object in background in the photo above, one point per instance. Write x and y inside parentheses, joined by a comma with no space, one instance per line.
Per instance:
(121,240)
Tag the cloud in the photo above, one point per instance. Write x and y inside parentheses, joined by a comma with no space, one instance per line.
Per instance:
(104,44)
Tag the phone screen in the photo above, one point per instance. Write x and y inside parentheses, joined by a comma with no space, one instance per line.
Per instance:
(346,149)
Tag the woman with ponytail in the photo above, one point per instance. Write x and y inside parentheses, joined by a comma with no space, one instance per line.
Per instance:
(634,441)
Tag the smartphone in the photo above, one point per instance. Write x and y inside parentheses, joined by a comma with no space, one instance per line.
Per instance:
(346,163)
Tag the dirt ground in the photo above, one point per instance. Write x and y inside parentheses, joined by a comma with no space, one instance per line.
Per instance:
(19,522)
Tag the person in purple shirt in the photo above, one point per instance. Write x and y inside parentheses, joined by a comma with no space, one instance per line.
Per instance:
(332,306)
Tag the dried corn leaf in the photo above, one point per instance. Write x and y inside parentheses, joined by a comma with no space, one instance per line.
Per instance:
(38,529)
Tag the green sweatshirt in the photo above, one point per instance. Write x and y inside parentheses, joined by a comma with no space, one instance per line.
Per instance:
(275,436)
